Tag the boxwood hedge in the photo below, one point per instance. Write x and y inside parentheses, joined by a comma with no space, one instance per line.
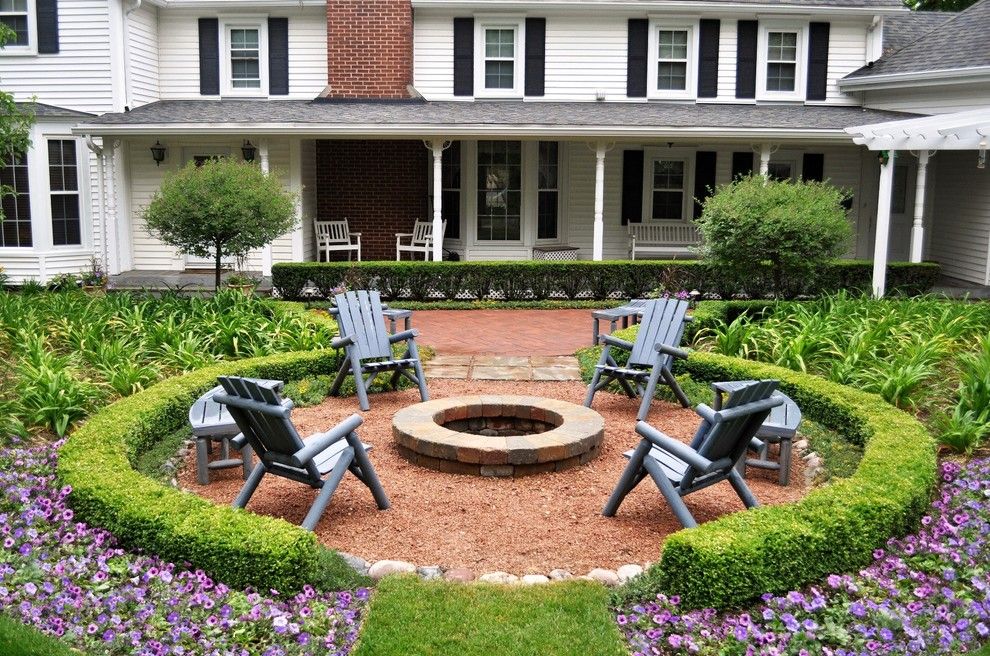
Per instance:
(539,280)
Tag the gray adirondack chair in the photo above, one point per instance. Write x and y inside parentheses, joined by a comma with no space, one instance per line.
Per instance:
(320,462)
(369,346)
(650,357)
(721,440)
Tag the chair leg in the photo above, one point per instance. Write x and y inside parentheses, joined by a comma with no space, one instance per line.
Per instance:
(362,391)
(368,475)
(628,481)
(739,485)
(246,460)
(784,473)
(648,392)
(326,492)
(668,377)
(202,461)
(595,331)
(345,367)
(424,394)
(669,493)
(250,486)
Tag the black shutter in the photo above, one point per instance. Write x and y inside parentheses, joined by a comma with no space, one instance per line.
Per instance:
(209,57)
(742,164)
(639,40)
(278,56)
(813,167)
(704,177)
(536,47)
(632,186)
(708,60)
(463,56)
(818,60)
(746,59)
(47,18)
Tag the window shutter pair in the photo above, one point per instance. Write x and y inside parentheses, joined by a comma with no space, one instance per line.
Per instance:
(746,58)
(638,52)
(46,16)
(278,56)
(632,182)
(534,58)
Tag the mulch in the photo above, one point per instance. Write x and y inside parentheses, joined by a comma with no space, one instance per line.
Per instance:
(526,525)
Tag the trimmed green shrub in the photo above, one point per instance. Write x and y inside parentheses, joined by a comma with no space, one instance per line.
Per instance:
(535,280)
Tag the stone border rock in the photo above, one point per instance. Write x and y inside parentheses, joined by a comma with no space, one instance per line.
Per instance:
(421,437)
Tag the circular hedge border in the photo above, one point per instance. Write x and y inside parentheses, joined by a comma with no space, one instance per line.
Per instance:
(719,564)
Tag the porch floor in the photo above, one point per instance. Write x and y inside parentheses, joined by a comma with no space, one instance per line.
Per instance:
(193,280)
(954,288)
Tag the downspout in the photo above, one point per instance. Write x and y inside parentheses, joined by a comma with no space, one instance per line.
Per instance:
(126,32)
(101,192)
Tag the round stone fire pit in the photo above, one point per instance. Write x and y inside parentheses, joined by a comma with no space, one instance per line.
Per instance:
(498,435)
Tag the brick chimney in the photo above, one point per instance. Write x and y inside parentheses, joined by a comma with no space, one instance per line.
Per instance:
(370,48)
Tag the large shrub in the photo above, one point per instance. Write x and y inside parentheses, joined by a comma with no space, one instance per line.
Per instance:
(220,208)
(787,229)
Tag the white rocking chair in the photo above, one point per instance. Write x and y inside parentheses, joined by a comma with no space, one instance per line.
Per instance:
(420,240)
(336,236)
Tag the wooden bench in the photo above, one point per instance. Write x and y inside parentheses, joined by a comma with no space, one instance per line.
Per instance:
(779,428)
(210,423)
(662,238)
(336,236)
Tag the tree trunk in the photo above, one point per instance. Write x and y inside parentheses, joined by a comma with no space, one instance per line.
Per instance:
(216,279)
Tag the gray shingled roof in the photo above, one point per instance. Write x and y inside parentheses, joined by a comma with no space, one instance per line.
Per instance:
(42,110)
(904,29)
(960,42)
(859,4)
(509,113)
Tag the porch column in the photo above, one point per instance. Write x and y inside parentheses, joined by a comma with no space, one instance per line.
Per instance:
(599,233)
(918,229)
(266,251)
(437,147)
(882,236)
(765,152)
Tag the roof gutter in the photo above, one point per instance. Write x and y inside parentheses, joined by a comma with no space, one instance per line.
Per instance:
(916,78)
(640,6)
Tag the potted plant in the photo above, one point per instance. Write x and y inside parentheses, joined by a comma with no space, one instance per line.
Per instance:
(242,282)
(94,279)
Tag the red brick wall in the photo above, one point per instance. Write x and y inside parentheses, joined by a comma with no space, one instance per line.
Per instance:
(380,187)
(370,48)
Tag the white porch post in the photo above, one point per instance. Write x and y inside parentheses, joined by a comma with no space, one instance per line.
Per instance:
(266,251)
(765,152)
(918,229)
(437,147)
(599,232)
(882,236)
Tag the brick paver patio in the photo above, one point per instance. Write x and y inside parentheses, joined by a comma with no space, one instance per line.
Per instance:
(504,332)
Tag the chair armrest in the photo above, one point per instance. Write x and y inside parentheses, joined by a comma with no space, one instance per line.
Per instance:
(318,443)
(672,351)
(239,441)
(412,333)
(615,341)
(341,342)
(403,234)
(673,447)
(713,416)
(354,234)
(756,444)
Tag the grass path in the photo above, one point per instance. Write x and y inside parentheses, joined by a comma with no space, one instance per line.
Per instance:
(410,617)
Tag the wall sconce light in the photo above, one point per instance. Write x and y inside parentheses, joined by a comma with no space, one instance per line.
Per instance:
(158,152)
(248,151)
(981,159)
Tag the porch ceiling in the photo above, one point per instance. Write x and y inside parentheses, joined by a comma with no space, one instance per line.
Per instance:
(418,119)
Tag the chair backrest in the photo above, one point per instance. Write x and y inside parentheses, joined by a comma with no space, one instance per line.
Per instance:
(422,233)
(360,317)
(662,323)
(332,232)
(263,418)
(745,409)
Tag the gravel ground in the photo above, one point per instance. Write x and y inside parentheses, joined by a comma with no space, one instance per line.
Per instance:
(526,525)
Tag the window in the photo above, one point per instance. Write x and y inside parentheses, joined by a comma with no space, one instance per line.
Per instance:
(499,190)
(780,171)
(669,183)
(245,58)
(548,190)
(63,179)
(15,230)
(450,210)
(672,60)
(782,61)
(15,15)
(498,68)
(782,54)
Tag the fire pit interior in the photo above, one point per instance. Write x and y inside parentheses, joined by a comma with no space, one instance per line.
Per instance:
(498,435)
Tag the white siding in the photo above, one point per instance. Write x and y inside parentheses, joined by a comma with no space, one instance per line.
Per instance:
(142,56)
(78,77)
(433,55)
(728,42)
(846,53)
(931,100)
(179,52)
(584,56)
(960,224)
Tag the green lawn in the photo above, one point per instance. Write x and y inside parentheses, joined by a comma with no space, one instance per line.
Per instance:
(409,617)
(16,639)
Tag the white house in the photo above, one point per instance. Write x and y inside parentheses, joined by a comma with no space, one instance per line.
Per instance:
(527,126)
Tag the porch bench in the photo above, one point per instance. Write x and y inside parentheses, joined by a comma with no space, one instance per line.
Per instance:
(666,238)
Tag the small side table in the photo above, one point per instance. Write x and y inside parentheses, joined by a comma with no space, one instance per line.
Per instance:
(624,313)
(780,427)
(392,314)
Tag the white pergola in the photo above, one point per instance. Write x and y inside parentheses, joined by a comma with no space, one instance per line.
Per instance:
(969,130)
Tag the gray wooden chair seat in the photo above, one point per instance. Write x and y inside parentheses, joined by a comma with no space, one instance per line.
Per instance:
(368,346)
(679,469)
(321,461)
(650,357)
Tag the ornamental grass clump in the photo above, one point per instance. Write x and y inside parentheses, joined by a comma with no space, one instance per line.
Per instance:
(74,582)
(928,593)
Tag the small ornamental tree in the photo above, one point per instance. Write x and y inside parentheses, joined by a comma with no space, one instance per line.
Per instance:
(757,226)
(220,209)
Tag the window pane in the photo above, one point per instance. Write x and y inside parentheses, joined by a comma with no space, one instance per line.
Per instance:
(244,39)
(668,174)
(673,44)
(548,196)
(780,77)
(13,6)
(15,230)
(66,221)
(500,43)
(499,74)
(19,25)
(779,170)
(499,190)
(450,177)
(668,205)
(245,69)
(782,46)
(672,76)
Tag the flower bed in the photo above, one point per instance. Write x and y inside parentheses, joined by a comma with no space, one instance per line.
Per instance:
(73,581)
(928,593)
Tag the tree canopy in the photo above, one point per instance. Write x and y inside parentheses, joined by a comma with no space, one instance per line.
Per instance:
(939,5)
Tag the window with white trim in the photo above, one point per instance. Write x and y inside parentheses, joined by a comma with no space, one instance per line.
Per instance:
(781,69)
(499,191)
(15,229)
(673,55)
(780,170)
(672,60)
(63,176)
(668,188)
(16,14)
(245,57)
(498,61)
(781,61)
